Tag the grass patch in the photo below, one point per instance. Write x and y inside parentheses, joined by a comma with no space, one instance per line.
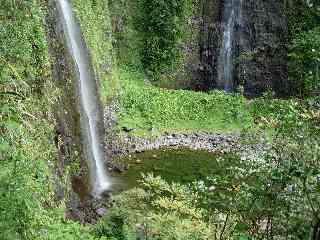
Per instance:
(147,109)
(152,111)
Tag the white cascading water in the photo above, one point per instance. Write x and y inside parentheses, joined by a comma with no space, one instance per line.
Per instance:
(89,101)
(231,16)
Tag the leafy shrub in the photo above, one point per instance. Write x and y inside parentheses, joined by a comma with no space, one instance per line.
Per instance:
(23,59)
(161,25)
(145,107)
(304,62)
(157,211)
(303,23)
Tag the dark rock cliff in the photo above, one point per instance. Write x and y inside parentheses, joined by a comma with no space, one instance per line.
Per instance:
(259,46)
(262,47)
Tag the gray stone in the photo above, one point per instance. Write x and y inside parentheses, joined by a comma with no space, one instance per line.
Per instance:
(101,211)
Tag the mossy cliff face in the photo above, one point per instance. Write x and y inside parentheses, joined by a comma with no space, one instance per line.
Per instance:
(95,23)
(71,164)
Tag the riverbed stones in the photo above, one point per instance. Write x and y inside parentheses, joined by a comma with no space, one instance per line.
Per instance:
(211,142)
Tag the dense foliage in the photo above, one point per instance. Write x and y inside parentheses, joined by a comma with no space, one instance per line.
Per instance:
(304,45)
(22,49)
(305,61)
(22,73)
(27,152)
(161,25)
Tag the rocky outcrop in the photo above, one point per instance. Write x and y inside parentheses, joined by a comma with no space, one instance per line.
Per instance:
(201,67)
(211,142)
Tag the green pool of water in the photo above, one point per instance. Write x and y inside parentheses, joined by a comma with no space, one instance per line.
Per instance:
(183,166)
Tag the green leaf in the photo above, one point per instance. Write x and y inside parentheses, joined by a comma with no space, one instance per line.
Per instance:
(11,125)
(4,147)
(244,237)
(241,227)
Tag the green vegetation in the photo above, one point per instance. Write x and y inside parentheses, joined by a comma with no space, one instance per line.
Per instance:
(24,63)
(161,26)
(24,69)
(157,211)
(126,40)
(305,61)
(273,197)
(304,58)
(95,24)
(27,151)
(152,111)
(146,107)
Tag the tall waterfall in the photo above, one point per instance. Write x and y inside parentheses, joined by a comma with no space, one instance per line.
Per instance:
(91,116)
(230,17)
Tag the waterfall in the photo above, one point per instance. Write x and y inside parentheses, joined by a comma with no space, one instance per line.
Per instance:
(230,17)
(90,111)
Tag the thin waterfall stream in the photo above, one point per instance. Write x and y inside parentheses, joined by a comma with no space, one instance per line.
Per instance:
(90,111)
(230,18)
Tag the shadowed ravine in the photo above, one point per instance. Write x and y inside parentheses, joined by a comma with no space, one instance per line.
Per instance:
(90,112)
